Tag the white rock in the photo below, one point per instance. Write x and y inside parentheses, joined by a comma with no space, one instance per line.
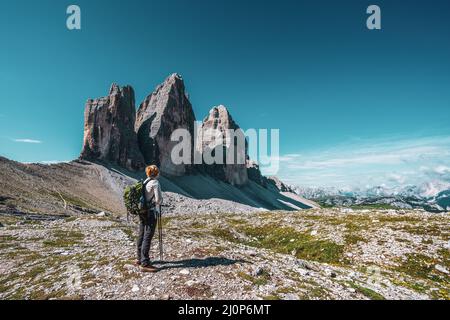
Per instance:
(252,253)
(447,246)
(440,268)
(185,271)
(135,288)
(290,296)
(314,232)
(189,283)
(101,214)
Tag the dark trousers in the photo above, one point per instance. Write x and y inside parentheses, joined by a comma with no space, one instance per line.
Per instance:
(147,229)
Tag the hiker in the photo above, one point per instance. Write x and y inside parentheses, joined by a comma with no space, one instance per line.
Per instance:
(148,220)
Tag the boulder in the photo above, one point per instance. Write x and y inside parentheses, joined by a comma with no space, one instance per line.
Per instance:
(165,110)
(109,129)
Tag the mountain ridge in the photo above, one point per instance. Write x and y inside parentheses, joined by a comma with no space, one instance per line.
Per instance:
(407,197)
(164,110)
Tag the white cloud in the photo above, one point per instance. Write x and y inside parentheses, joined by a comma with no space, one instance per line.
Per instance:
(442,169)
(401,179)
(348,158)
(293,155)
(27,141)
(437,172)
(394,162)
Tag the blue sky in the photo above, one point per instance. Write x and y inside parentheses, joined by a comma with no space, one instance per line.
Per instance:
(336,90)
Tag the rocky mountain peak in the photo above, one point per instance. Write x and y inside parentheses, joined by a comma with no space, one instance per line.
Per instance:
(163,111)
(220,119)
(109,129)
(116,134)
(175,76)
(115,89)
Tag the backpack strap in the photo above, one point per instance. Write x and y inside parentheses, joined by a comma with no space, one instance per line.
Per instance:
(151,201)
(144,187)
(146,181)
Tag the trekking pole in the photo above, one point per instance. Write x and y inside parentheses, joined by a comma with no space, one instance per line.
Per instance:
(160,233)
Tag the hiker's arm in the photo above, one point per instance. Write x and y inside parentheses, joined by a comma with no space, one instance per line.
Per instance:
(158,194)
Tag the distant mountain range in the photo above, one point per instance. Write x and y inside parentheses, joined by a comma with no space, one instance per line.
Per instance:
(431,196)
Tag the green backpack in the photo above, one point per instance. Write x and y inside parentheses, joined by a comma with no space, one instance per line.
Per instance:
(134,198)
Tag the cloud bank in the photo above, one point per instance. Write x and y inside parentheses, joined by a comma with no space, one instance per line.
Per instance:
(393,162)
(27,141)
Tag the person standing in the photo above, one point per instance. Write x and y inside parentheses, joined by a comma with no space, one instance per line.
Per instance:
(148,220)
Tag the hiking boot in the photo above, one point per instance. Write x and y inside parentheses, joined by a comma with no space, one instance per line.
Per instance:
(149,268)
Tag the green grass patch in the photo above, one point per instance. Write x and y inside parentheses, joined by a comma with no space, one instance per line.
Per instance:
(375,206)
(272,297)
(71,200)
(421,230)
(285,290)
(351,238)
(417,286)
(259,280)
(420,266)
(197,225)
(369,293)
(63,239)
(7,238)
(224,234)
(398,218)
(445,256)
(131,234)
(287,240)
